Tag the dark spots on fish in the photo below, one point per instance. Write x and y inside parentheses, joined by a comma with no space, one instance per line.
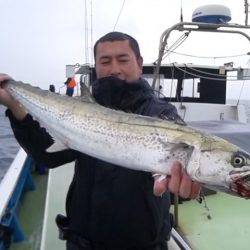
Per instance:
(154,138)
(209,217)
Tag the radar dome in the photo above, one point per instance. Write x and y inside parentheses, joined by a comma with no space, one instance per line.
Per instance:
(214,14)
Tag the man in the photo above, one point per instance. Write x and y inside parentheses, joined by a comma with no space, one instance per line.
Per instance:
(70,85)
(110,207)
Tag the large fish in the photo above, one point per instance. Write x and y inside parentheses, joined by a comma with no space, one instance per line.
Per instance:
(136,142)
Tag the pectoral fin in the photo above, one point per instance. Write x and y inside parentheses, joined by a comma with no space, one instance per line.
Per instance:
(56,146)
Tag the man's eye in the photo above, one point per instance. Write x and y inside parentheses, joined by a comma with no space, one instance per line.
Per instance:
(105,62)
(123,60)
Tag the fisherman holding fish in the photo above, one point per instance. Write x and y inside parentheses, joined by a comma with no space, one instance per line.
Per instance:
(109,207)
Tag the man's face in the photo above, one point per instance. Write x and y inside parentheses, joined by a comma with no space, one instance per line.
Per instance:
(117,59)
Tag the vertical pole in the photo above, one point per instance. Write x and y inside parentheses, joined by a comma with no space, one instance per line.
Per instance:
(246,12)
(91,30)
(86,34)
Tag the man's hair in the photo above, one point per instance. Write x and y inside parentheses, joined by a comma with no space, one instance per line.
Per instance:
(119,36)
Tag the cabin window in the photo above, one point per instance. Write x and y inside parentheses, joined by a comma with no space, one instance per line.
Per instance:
(159,83)
(191,88)
(169,88)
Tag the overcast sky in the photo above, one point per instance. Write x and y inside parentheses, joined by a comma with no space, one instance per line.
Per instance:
(39,37)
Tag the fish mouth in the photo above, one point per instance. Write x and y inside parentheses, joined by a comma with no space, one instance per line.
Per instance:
(240,183)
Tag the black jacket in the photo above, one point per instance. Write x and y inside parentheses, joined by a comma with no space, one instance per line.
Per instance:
(107,204)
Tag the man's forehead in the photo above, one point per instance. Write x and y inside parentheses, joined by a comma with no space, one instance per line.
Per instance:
(110,48)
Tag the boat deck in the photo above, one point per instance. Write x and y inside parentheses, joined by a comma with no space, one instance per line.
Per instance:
(31,212)
(58,184)
(228,228)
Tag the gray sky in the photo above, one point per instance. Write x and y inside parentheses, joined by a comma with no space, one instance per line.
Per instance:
(38,38)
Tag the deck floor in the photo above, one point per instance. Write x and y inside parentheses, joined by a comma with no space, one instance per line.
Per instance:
(31,212)
(227,229)
(58,184)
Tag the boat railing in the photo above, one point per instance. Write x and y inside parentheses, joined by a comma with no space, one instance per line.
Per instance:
(15,181)
(195,26)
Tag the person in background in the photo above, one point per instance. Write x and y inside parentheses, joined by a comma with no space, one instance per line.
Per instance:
(52,88)
(70,86)
(110,207)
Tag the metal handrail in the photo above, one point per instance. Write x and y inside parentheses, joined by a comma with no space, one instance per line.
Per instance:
(194,26)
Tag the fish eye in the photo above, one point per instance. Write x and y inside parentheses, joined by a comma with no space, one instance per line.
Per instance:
(238,161)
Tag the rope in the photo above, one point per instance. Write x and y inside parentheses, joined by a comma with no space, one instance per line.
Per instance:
(206,57)
(242,86)
(119,14)
(204,77)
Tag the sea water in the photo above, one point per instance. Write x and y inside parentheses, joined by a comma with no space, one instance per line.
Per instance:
(9,147)
(8,144)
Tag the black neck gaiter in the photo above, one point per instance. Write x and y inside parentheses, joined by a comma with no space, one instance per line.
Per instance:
(118,94)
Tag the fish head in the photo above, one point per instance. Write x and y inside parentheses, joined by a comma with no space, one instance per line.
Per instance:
(239,176)
(225,168)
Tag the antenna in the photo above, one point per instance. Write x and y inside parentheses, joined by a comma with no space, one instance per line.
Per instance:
(86,34)
(181,17)
(246,12)
(91,30)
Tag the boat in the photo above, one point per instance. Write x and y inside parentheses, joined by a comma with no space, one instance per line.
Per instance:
(217,221)
(211,225)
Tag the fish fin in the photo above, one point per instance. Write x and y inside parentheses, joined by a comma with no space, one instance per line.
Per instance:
(178,120)
(86,95)
(173,117)
(56,146)
(180,148)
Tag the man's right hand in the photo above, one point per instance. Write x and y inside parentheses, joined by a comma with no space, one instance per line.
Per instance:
(178,182)
(7,100)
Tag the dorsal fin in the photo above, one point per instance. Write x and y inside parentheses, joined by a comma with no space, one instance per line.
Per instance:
(86,96)
(174,118)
